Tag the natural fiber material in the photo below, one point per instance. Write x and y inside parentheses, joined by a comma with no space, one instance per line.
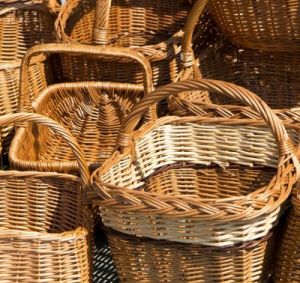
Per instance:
(44,222)
(264,25)
(146,260)
(92,111)
(127,206)
(287,262)
(153,28)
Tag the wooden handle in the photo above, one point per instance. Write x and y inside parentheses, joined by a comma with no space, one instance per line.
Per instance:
(97,51)
(57,129)
(230,90)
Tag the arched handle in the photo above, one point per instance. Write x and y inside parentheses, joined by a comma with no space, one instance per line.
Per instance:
(286,148)
(187,55)
(53,6)
(100,29)
(57,129)
(97,51)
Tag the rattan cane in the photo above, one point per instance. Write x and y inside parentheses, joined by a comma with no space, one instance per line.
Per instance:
(92,111)
(146,260)
(264,25)
(150,27)
(44,223)
(223,142)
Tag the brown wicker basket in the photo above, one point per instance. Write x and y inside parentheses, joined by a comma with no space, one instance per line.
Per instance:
(92,111)
(22,25)
(146,260)
(153,28)
(264,25)
(45,226)
(209,181)
(288,261)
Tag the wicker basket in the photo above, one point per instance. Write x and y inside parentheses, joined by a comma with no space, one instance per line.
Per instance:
(163,261)
(213,181)
(287,263)
(44,225)
(92,111)
(264,25)
(153,28)
(22,24)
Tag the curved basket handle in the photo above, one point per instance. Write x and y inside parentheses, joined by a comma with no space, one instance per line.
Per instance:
(286,147)
(100,30)
(97,51)
(53,6)
(187,55)
(57,129)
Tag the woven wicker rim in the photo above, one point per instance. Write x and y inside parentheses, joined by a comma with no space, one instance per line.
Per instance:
(288,165)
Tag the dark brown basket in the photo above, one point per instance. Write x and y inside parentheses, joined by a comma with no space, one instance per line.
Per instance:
(264,25)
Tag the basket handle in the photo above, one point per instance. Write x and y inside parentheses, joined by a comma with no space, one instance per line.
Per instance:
(100,29)
(52,5)
(286,147)
(102,52)
(187,55)
(56,128)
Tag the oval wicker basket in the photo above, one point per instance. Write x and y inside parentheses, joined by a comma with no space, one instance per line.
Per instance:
(45,224)
(264,25)
(92,111)
(153,28)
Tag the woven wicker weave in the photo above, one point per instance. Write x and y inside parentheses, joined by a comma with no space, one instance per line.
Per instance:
(287,263)
(44,226)
(92,111)
(146,260)
(151,27)
(264,25)
(198,141)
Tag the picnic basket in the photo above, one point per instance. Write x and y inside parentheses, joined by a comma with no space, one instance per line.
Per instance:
(264,25)
(215,182)
(45,222)
(22,24)
(287,260)
(153,28)
(92,111)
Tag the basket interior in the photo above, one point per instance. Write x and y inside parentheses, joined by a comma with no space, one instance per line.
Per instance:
(93,115)
(132,23)
(48,204)
(22,29)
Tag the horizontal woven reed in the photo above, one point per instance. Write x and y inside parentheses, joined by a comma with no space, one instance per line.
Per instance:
(287,262)
(44,222)
(92,111)
(264,25)
(127,207)
(145,260)
(153,28)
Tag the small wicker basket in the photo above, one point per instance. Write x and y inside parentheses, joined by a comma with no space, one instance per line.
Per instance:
(92,111)
(211,181)
(45,224)
(264,25)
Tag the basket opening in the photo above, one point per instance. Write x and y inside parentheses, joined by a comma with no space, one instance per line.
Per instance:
(209,182)
(39,204)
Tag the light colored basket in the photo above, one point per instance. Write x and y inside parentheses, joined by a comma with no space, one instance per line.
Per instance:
(146,260)
(45,224)
(264,25)
(92,111)
(214,221)
(153,28)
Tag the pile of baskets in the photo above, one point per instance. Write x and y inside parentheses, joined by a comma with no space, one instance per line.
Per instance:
(149,141)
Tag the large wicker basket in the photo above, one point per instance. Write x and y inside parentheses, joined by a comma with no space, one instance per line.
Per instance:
(45,225)
(211,181)
(288,261)
(264,25)
(153,28)
(22,25)
(92,111)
